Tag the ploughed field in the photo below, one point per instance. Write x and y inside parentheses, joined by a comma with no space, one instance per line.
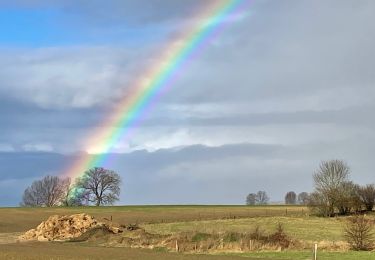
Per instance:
(175,220)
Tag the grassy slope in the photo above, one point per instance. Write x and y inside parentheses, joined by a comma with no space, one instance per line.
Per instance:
(21,219)
(296,224)
(78,251)
(308,255)
(303,228)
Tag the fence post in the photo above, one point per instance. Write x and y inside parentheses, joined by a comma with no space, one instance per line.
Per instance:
(176,246)
(315,251)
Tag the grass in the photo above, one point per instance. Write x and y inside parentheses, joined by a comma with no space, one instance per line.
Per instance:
(78,251)
(171,220)
(21,219)
(302,228)
(297,255)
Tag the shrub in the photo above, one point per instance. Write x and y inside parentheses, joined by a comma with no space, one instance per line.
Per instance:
(200,237)
(257,233)
(280,238)
(231,237)
(358,233)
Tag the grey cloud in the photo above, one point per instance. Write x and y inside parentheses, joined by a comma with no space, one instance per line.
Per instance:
(142,170)
(72,77)
(201,174)
(287,49)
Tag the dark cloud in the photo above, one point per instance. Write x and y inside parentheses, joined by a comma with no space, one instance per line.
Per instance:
(200,174)
(149,171)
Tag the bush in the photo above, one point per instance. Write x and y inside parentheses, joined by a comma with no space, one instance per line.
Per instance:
(280,238)
(358,233)
(231,237)
(200,237)
(257,233)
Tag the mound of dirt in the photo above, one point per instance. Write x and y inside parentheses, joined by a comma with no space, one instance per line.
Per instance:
(62,228)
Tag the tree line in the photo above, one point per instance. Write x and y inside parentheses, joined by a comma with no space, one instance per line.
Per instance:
(97,186)
(291,198)
(334,192)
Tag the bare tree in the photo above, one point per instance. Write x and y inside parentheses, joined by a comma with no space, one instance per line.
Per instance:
(291,198)
(319,204)
(48,192)
(331,175)
(367,196)
(262,198)
(346,198)
(333,188)
(98,186)
(72,197)
(303,198)
(251,199)
(358,233)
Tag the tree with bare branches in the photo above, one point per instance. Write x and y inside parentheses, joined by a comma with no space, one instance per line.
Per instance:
(303,198)
(251,199)
(291,198)
(262,198)
(367,196)
(47,192)
(331,175)
(333,189)
(98,186)
(259,198)
(358,233)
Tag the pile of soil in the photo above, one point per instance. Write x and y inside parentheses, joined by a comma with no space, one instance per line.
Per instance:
(63,228)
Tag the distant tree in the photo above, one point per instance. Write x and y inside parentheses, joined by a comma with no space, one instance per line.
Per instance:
(303,198)
(262,198)
(98,186)
(291,198)
(367,196)
(251,199)
(48,192)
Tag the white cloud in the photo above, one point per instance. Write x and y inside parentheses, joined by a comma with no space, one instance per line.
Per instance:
(38,147)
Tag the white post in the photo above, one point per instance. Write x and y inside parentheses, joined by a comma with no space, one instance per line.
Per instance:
(315,251)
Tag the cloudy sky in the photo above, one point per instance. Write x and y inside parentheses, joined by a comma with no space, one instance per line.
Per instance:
(287,84)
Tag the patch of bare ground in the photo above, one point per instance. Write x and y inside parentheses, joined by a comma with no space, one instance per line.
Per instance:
(8,238)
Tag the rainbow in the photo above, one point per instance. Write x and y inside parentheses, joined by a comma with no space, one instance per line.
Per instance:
(154,82)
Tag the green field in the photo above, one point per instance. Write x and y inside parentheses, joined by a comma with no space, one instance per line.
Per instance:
(173,220)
